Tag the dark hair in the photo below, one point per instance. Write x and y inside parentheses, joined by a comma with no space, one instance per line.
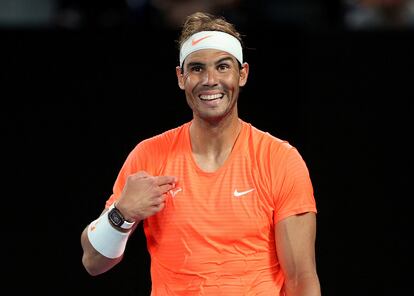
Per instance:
(201,21)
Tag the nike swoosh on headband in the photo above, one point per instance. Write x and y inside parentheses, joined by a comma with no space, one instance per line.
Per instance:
(195,41)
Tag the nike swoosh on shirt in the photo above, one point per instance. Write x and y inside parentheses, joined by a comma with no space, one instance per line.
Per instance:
(240,193)
(195,41)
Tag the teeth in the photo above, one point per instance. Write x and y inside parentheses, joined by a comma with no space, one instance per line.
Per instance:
(210,97)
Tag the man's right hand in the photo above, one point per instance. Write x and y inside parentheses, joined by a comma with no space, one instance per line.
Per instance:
(144,195)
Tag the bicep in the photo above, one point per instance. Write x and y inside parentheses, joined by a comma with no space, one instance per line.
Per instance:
(295,244)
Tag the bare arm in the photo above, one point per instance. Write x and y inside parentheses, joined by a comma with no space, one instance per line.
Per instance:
(93,261)
(143,196)
(295,244)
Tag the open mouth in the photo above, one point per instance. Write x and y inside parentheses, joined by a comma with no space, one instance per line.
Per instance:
(211,97)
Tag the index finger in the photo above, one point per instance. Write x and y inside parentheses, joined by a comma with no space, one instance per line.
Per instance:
(162,180)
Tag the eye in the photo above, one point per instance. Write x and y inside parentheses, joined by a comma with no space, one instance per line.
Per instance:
(223,67)
(196,68)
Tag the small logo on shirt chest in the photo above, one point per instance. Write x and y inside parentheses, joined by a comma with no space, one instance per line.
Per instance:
(237,193)
(174,192)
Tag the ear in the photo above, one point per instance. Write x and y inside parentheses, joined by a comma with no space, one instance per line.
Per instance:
(180,77)
(244,73)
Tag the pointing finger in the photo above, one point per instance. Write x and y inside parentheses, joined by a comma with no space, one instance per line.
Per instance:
(163,180)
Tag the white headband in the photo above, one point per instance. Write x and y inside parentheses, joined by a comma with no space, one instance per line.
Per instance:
(211,40)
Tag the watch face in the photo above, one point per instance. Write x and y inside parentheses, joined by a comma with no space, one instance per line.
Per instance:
(115,217)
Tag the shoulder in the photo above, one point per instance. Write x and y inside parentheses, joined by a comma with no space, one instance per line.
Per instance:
(151,153)
(266,141)
(269,151)
(163,140)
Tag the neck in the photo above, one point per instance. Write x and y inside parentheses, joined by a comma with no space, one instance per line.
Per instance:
(212,143)
(208,136)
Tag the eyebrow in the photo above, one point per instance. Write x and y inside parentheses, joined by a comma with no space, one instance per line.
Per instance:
(192,64)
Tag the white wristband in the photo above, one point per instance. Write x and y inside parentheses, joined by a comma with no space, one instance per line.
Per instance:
(105,238)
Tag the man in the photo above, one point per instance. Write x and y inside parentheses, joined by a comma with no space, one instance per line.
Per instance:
(227,209)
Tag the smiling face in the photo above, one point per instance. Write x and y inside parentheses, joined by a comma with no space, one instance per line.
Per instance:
(211,80)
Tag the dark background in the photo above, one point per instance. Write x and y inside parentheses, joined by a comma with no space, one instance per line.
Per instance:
(77,100)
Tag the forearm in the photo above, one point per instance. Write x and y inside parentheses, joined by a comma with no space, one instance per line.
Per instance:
(305,285)
(94,262)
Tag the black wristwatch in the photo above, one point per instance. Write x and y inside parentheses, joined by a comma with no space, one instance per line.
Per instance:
(116,219)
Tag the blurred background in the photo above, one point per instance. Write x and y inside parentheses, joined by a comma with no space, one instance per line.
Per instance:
(82,82)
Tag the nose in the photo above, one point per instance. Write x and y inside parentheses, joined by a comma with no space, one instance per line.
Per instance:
(210,77)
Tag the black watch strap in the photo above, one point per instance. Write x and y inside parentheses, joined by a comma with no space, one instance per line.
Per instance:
(117,219)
